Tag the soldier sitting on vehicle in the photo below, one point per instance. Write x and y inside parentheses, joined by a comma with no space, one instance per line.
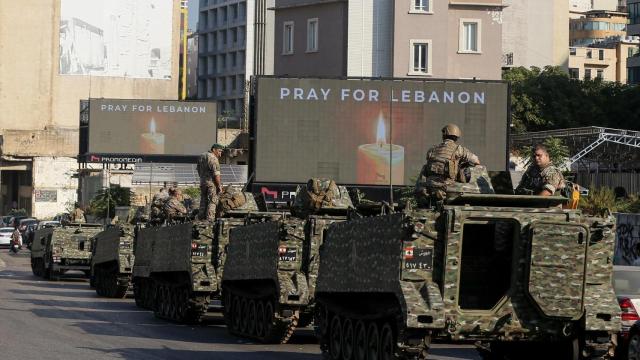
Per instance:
(174,209)
(157,205)
(443,166)
(542,177)
(77,216)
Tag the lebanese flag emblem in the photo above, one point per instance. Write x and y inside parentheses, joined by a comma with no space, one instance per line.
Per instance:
(408,253)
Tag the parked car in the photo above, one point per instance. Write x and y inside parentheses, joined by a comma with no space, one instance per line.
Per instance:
(48,224)
(15,220)
(5,236)
(62,217)
(626,282)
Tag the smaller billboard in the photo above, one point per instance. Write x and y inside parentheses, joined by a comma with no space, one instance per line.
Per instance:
(142,129)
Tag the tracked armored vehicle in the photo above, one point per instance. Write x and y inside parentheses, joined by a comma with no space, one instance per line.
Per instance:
(175,272)
(112,261)
(272,263)
(517,274)
(55,251)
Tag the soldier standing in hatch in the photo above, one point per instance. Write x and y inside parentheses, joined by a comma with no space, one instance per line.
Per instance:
(173,207)
(542,177)
(443,164)
(78,215)
(210,182)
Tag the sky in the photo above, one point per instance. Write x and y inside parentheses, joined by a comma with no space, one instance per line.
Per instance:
(193,14)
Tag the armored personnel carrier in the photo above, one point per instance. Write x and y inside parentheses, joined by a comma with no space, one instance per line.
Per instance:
(272,262)
(175,272)
(519,275)
(112,261)
(55,251)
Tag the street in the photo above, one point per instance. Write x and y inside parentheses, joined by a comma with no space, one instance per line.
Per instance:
(65,319)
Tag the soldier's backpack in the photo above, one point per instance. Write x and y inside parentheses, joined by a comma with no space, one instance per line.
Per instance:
(231,199)
(320,193)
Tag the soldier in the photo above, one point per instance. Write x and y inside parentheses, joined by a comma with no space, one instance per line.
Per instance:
(173,207)
(157,204)
(542,177)
(210,182)
(443,164)
(77,215)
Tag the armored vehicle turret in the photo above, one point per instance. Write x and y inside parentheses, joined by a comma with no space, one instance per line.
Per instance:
(55,251)
(272,262)
(518,275)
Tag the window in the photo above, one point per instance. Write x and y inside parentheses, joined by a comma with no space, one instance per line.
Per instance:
(420,57)
(312,35)
(421,6)
(572,51)
(574,73)
(287,38)
(589,54)
(469,36)
(634,13)
(587,74)
(600,74)
(600,54)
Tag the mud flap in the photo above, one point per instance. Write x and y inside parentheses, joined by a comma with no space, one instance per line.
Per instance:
(557,269)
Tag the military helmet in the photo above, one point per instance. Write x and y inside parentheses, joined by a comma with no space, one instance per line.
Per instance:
(451,130)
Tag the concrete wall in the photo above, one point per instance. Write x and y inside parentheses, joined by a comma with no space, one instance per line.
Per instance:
(536,32)
(442,27)
(627,240)
(331,57)
(32,93)
(608,65)
(370,38)
(53,174)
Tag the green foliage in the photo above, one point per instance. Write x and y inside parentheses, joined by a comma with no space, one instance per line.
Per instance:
(546,99)
(558,151)
(109,199)
(17,212)
(602,199)
(192,191)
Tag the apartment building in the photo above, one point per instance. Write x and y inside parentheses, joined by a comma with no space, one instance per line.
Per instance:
(233,45)
(633,29)
(595,26)
(606,60)
(380,38)
(536,33)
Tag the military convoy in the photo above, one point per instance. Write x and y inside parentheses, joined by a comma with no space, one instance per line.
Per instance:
(55,251)
(176,266)
(269,276)
(112,261)
(518,275)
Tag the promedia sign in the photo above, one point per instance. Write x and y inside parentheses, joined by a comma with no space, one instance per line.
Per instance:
(371,132)
(114,159)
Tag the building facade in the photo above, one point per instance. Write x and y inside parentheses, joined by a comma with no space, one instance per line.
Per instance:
(595,26)
(232,37)
(606,60)
(379,38)
(536,33)
(40,113)
(633,29)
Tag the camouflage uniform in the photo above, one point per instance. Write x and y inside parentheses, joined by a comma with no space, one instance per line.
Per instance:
(78,216)
(174,208)
(208,169)
(157,205)
(536,180)
(442,167)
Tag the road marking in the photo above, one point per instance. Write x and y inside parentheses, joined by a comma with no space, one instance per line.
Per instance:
(2,264)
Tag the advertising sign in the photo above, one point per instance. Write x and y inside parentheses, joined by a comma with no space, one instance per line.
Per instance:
(371,132)
(120,38)
(128,131)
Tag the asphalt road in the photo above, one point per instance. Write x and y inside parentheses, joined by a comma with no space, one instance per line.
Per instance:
(66,320)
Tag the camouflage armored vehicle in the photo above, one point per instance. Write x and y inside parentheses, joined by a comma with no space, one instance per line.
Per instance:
(175,272)
(55,251)
(112,261)
(272,262)
(519,275)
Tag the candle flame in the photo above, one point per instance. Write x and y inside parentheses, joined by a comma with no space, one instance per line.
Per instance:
(152,126)
(381,135)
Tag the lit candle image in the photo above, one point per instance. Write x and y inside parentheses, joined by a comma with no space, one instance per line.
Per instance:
(379,162)
(152,142)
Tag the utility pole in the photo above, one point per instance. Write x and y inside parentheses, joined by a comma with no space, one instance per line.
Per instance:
(184,10)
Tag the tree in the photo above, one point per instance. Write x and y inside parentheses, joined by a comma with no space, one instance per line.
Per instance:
(108,199)
(558,151)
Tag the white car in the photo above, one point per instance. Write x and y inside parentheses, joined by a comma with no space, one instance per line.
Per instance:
(5,236)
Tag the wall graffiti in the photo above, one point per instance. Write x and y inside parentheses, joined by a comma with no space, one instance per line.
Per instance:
(627,240)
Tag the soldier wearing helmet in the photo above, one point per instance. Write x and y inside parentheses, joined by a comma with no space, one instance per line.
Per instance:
(443,164)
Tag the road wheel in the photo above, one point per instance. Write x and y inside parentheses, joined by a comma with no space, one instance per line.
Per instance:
(236,312)
(251,326)
(322,318)
(633,352)
(335,338)
(348,340)
(387,343)
(244,320)
(373,341)
(360,349)
(260,319)
(268,318)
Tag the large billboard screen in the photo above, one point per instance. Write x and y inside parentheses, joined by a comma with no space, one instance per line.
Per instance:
(371,132)
(151,127)
(120,38)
